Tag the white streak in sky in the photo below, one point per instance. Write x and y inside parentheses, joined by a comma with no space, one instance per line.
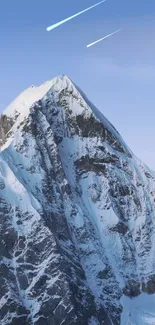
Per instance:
(69,18)
(101,39)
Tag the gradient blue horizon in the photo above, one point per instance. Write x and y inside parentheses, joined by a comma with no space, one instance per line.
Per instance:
(118,74)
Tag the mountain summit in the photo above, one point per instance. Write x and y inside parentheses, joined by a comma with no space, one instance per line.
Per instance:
(77,215)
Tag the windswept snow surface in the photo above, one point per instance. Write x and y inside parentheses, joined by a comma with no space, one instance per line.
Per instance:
(28,97)
(139,310)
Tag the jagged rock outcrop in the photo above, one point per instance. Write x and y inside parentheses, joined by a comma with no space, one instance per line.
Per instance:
(77,209)
(6,124)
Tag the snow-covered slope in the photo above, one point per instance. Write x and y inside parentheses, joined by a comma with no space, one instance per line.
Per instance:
(25,100)
(77,220)
(139,310)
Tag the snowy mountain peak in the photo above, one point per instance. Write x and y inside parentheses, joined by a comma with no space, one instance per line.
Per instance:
(54,91)
(77,220)
(32,94)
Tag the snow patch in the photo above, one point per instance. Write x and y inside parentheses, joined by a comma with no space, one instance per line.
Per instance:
(139,310)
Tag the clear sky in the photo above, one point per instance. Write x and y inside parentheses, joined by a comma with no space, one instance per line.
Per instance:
(118,74)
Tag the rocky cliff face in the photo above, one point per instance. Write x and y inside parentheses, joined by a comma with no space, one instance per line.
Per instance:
(77,220)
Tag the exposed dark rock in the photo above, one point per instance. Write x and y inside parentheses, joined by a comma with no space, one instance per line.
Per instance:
(149,286)
(120,228)
(86,164)
(132,289)
(6,124)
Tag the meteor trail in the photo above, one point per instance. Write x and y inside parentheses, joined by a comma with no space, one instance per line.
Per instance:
(101,39)
(69,18)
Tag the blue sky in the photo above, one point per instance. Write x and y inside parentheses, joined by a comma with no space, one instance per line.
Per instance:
(118,74)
